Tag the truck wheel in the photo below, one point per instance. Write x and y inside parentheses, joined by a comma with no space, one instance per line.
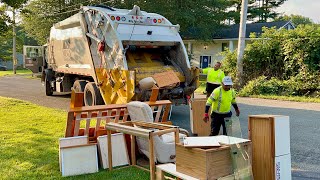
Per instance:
(49,90)
(92,95)
(79,85)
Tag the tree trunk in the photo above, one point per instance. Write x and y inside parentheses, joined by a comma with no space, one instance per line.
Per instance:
(14,55)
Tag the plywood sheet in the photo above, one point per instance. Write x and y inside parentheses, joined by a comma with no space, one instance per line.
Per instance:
(79,160)
(119,150)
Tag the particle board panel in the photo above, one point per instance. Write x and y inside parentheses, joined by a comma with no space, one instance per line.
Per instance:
(119,150)
(261,134)
(197,109)
(79,160)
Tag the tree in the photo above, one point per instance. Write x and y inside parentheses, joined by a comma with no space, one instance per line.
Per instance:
(4,18)
(14,5)
(258,10)
(296,19)
(265,9)
(200,18)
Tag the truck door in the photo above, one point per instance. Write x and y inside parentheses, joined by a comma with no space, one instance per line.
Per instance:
(33,58)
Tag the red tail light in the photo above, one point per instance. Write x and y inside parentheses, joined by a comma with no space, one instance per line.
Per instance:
(155,20)
(118,18)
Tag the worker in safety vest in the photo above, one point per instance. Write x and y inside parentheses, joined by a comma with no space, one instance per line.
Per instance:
(220,102)
(214,77)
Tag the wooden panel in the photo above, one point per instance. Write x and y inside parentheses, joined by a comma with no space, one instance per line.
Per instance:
(119,150)
(198,126)
(191,161)
(219,164)
(79,160)
(261,134)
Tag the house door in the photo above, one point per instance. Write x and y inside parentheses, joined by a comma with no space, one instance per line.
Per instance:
(205,61)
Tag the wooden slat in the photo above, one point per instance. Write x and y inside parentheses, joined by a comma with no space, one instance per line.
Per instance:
(117,115)
(70,124)
(151,158)
(166,113)
(98,123)
(109,114)
(158,113)
(77,125)
(88,124)
(125,115)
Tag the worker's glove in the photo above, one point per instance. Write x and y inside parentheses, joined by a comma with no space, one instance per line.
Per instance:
(237,112)
(206,117)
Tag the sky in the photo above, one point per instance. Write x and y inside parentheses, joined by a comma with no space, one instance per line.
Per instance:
(307,8)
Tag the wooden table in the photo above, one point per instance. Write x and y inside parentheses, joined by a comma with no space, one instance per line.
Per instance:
(140,131)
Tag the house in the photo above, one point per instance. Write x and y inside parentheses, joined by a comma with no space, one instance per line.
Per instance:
(9,64)
(204,54)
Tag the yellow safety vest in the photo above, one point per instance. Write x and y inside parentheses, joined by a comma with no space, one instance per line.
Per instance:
(214,76)
(221,100)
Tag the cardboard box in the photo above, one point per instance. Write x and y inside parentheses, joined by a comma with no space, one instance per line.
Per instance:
(206,164)
(166,79)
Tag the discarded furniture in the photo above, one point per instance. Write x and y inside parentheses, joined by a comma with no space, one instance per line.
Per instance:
(171,169)
(77,157)
(103,114)
(140,129)
(270,136)
(197,107)
(213,163)
(164,144)
(119,151)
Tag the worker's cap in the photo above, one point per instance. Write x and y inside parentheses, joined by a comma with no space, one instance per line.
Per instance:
(227,81)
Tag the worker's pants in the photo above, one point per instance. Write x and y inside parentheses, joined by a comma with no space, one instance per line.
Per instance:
(216,121)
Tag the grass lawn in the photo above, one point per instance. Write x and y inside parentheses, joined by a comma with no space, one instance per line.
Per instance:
(29,144)
(19,72)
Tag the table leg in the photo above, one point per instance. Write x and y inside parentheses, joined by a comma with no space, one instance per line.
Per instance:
(109,149)
(151,158)
(133,150)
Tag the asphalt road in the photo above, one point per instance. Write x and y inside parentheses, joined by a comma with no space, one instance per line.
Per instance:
(304,119)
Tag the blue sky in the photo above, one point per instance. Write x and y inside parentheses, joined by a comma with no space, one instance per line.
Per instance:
(307,8)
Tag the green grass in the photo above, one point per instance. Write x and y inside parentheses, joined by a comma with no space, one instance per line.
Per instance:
(288,98)
(19,72)
(29,144)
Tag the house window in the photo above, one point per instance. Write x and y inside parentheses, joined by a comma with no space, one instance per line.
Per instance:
(224,46)
(205,61)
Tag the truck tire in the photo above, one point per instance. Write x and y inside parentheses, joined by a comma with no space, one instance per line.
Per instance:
(79,85)
(92,95)
(49,90)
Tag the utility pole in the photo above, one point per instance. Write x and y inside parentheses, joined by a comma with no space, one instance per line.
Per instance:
(14,55)
(241,41)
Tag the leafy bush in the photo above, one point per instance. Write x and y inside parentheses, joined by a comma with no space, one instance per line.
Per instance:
(280,62)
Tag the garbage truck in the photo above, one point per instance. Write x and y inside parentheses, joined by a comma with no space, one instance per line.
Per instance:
(112,56)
